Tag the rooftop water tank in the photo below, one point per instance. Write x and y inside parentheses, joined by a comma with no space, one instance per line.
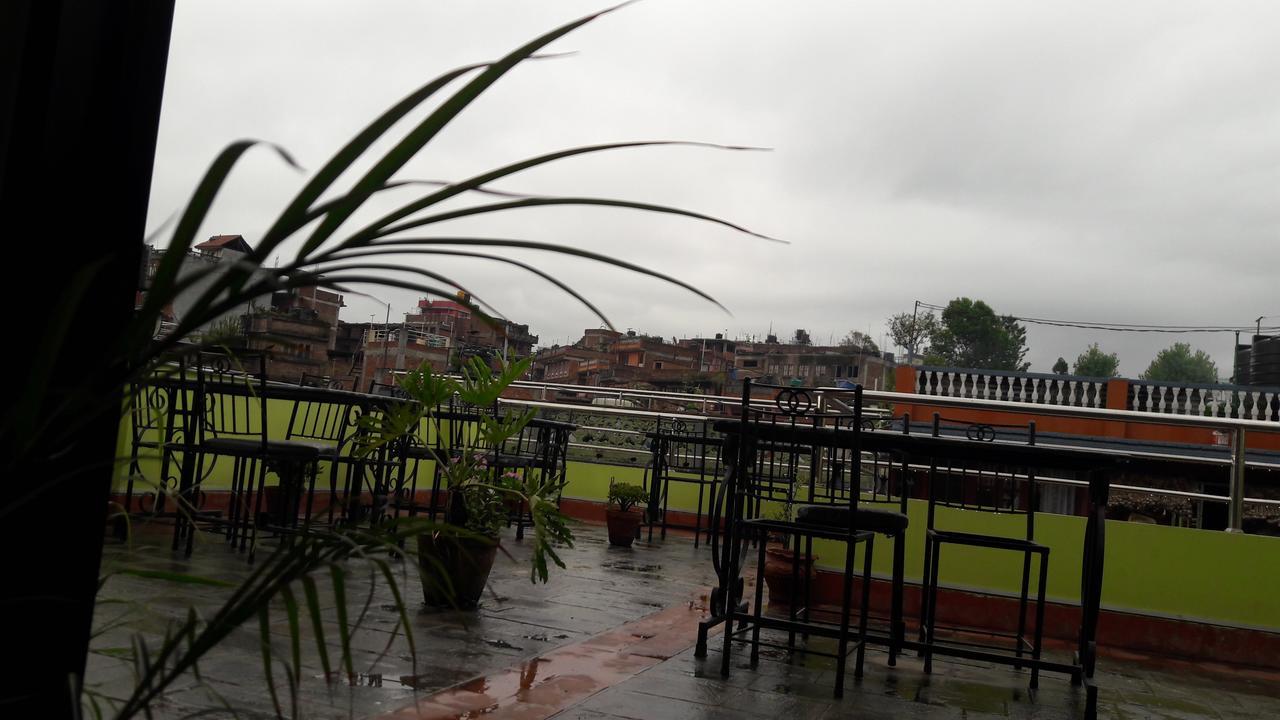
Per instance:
(1243,353)
(1264,360)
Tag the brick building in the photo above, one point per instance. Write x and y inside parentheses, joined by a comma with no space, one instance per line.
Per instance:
(299,331)
(612,359)
(810,365)
(471,335)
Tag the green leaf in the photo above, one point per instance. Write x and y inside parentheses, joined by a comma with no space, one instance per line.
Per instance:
(344,630)
(197,208)
(184,578)
(552,201)
(371,252)
(476,182)
(264,636)
(385,567)
(317,624)
(418,138)
(295,631)
(551,247)
(296,215)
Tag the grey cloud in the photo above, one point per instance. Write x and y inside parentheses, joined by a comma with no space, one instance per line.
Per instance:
(1074,160)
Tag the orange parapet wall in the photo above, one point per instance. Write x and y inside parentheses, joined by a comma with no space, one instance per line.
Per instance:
(1117,394)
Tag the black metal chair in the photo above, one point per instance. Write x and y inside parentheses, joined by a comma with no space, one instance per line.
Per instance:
(153,405)
(330,422)
(326,382)
(881,508)
(991,487)
(160,422)
(683,456)
(442,436)
(230,410)
(776,446)
(539,454)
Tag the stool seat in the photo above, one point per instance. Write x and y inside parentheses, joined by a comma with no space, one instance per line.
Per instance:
(274,449)
(887,522)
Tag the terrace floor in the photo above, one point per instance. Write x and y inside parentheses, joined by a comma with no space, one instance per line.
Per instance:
(610,636)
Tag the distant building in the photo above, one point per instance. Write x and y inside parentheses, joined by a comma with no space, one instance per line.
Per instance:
(566,364)
(441,333)
(613,359)
(297,328)
(810,365)
(210,258)
(384,350)
(471,335)
(715,354)
(299,331)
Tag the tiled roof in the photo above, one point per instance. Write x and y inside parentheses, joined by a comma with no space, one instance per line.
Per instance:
(225,242)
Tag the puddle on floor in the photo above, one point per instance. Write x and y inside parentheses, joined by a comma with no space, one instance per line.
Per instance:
(632,566)
(499,643)
(974,697)
(435,679)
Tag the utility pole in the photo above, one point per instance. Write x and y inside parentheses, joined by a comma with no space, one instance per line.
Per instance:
(1235,360)
(911,351)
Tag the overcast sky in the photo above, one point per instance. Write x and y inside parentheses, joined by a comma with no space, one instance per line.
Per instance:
(1079,161)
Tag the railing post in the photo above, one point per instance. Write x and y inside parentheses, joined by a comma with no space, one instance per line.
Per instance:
(815,457)
(1235,506)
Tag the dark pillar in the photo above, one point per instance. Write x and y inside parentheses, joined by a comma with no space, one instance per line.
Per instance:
(80,90)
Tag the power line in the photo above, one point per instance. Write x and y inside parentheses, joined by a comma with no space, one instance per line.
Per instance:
(1131,327)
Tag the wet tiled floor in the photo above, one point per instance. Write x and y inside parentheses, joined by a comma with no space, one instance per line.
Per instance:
(610,636)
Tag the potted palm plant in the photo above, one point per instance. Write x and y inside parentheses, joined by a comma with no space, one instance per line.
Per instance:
(455,565)
(313,250)
(625,512)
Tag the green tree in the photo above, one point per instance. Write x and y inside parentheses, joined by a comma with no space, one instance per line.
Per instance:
(911,330)
(971,335)
(1095,363)
(801,337)
(856,340)
(1179,363)
(1060,367)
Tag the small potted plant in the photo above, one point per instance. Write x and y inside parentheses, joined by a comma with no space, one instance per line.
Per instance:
(779,563)
(625,512)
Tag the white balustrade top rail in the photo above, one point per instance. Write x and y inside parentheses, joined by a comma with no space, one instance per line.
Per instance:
(1067,390)
(1215,401)
(1219,401)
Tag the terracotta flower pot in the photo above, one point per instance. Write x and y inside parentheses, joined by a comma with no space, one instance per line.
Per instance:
(623,525)
(462,565)
(778,569)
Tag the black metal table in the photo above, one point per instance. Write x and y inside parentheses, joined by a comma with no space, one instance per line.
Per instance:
(1095,464)
(660,476)
(173,441)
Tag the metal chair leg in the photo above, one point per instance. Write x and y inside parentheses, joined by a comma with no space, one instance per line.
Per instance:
(846,601)
(1022,607)
(757,606)
(924,596)
(1035,649)
(932,615)
(866,603)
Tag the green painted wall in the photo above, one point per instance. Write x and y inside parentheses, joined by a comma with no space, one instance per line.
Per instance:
(1218,577)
